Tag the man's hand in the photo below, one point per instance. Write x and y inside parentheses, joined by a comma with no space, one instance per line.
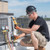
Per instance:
(15,37)
(16,27)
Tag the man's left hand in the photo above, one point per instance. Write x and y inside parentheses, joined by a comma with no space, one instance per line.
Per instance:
(17,27)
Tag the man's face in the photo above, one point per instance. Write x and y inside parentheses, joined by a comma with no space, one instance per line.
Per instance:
(31,15)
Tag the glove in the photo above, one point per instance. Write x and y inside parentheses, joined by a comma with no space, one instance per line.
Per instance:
(16,27)
(14,37)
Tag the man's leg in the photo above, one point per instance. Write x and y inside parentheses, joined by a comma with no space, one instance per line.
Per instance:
(41,42)
(34,41)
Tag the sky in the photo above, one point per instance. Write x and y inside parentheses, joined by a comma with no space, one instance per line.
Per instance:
(18,7)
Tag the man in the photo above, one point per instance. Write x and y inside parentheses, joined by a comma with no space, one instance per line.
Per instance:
(38,29)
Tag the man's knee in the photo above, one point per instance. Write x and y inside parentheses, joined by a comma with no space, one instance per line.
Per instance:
(33,37)
(33,34)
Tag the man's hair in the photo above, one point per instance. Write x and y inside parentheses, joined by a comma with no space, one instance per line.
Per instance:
(30,9)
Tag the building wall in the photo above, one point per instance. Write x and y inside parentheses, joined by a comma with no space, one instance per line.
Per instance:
(3,7)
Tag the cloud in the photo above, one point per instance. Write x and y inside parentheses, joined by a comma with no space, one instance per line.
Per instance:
(17,3)
(13,4)
(17,12)
(42,1)
(25,2)
(44,13)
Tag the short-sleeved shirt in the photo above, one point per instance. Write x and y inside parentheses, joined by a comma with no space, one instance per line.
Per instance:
(43,26)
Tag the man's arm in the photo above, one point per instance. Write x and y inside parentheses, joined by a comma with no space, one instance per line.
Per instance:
(34,28)
(29,30)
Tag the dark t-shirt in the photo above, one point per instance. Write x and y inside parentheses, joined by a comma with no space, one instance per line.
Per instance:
(43,26)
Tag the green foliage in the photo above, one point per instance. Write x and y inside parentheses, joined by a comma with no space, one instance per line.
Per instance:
(47,19)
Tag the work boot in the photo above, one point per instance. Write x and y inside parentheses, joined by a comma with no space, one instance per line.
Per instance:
(41,48)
